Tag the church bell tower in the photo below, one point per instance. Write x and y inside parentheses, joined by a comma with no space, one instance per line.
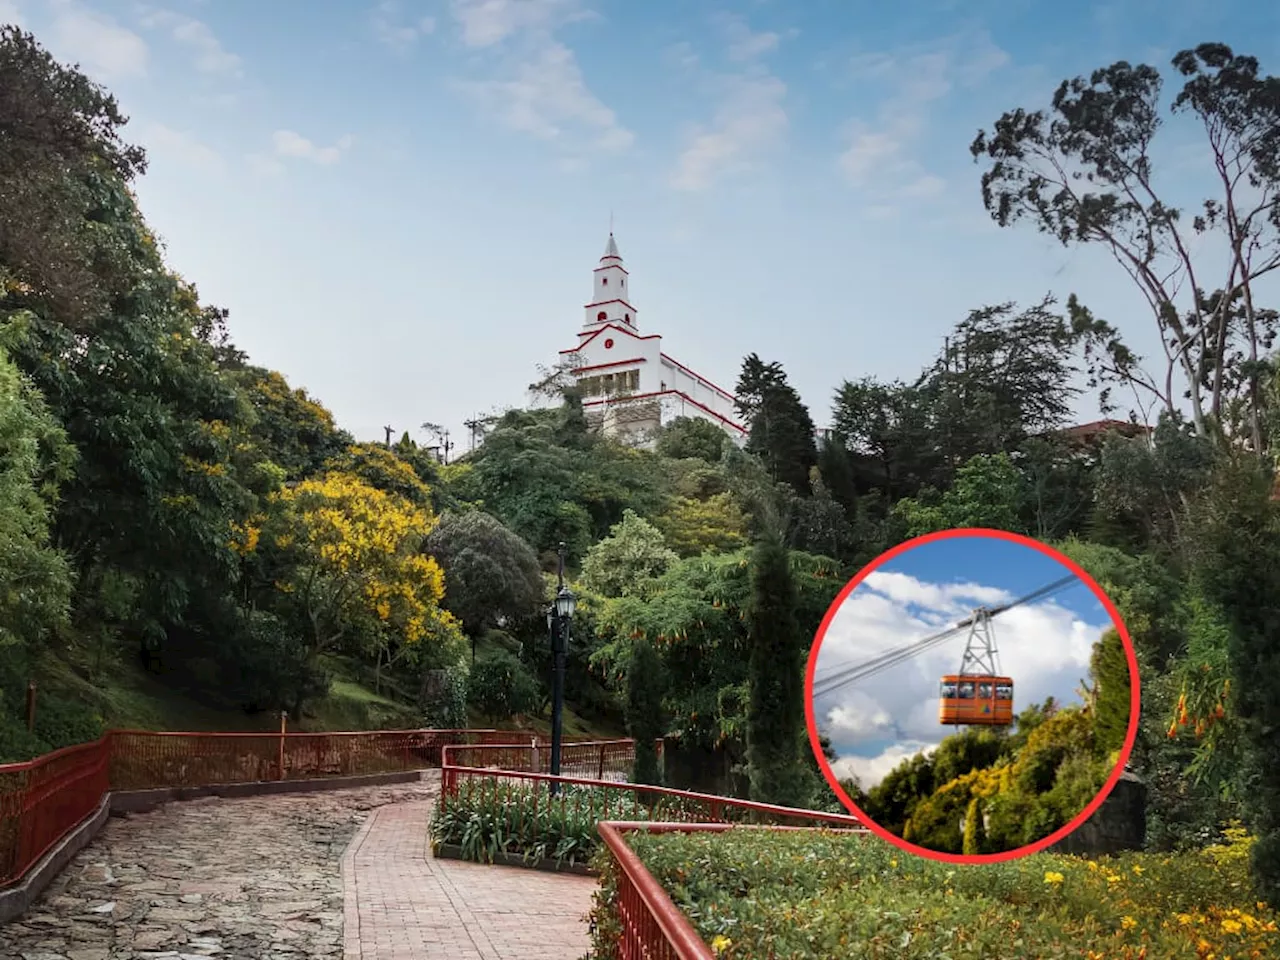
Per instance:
(611,297)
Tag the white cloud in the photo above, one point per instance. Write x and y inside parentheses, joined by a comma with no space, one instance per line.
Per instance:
(1045,647)
(924,186)
(485,23)
(397,32)
(745,44)
(869,771)
(165,143)
(210,55)
(750,119)
(538,88)
(294,145)
(547,97)
(878,151)
(751,116)
(101,46)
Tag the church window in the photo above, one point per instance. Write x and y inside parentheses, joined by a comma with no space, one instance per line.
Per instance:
(605,281)
(602,315)
(608,344)
(627,317)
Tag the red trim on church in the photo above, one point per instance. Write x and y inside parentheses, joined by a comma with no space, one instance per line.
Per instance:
(601,366)
(588,337)
(601,303)
(673,393)
(613,266)
(697,376)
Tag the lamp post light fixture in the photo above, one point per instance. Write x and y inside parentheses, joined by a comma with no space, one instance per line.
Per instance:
(559,615)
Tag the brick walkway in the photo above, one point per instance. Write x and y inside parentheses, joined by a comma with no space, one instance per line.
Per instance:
(400,903)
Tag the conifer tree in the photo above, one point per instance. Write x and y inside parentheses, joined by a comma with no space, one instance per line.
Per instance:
(646,718)
(782,432)
(775,712)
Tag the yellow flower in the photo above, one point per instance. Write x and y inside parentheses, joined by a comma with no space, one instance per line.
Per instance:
(721,943)
(1184,919)
(1232,926)
(1128,923)
(1113,878)
(1137,869)
(893,863)
(1053,877)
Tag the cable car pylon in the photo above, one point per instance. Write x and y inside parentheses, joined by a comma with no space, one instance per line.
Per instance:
(979,694)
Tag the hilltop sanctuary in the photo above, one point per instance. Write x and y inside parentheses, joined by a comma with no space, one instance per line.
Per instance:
(629,387)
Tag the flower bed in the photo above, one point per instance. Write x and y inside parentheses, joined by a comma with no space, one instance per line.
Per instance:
(487,816)
(756,893)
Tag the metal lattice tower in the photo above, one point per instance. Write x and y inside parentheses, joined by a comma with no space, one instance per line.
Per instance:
(980,655)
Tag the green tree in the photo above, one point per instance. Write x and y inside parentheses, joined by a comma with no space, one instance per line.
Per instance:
(693,526)
(775,712)
(1109,668)
(628,560)
(1237,567)
(1082,172)
(646,719)
(782,432)
(35,459)
(61,130)
(989,491)
(491,575)
(687,438)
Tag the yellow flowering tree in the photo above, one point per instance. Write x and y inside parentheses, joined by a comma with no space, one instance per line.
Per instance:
(347,557)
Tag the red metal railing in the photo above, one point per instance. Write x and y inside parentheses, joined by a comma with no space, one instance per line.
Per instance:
(44,799)
(650,925)
(683,806)
(593,759)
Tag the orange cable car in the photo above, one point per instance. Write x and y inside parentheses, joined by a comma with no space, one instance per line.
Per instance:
(978,695)
(968,700)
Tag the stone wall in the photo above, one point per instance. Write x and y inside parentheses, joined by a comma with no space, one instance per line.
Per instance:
(1119,824)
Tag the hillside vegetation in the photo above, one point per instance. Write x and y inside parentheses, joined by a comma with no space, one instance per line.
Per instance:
(988,790)
(169,507)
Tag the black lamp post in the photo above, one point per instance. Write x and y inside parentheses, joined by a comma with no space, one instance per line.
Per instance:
(559,614)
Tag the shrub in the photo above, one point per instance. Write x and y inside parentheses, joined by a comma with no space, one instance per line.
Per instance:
(442,698)
(501,688)
(490,816)
(819,894)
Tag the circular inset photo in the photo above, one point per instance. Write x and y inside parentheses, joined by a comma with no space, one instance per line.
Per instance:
(972,695)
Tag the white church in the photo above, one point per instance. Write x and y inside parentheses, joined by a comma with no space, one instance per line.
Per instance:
(629,386)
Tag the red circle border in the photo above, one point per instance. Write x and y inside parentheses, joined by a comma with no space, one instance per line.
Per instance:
(1135,698)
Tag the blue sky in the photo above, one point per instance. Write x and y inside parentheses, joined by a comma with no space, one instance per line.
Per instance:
(401,203)
(1044,645)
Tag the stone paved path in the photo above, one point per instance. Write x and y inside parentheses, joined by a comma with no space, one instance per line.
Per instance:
(266,878)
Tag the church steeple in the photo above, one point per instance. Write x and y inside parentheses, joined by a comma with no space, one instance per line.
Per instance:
(610,302)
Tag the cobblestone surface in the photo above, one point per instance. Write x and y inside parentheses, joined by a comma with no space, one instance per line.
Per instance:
(264,877)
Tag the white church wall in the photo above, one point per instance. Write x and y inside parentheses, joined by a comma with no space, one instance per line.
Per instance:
(614,359)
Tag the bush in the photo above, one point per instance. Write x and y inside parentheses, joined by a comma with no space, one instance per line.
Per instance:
(491,816)
(443,699)
(501,688)
(820,894)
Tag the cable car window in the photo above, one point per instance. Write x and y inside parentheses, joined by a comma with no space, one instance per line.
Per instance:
(1004,692)
(984,691)
(966,691)
(948,691)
